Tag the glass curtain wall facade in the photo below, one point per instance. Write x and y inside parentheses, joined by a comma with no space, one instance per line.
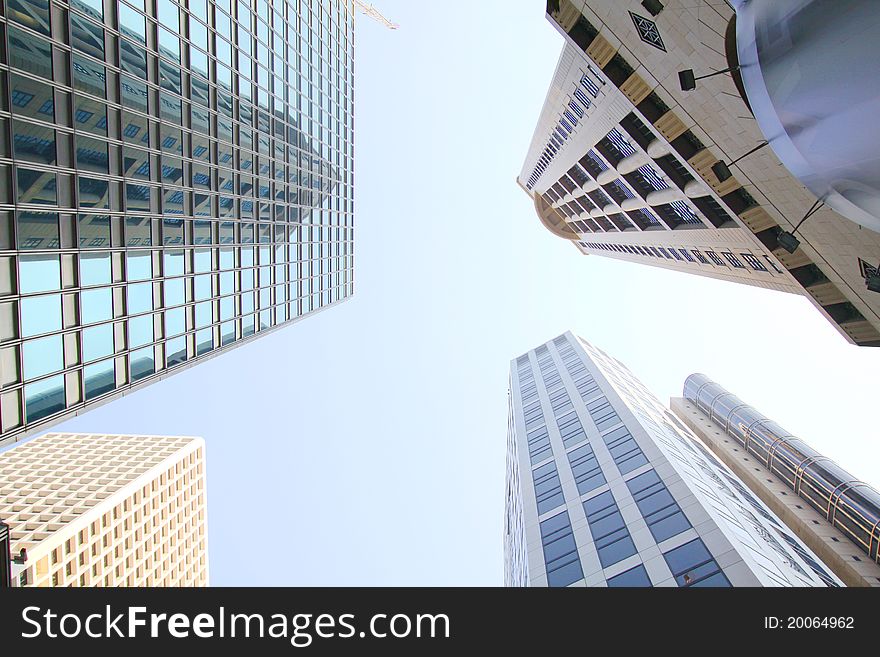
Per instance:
(613,490)
(175,177)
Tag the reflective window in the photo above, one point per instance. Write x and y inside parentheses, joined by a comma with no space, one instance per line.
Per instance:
(131,23)
(42,356)
(139,265)
(659,509)
(175,351)
(140,331)
(37,187)
(140,298)
(33,13)
(44,398)
(40,314)
(172,262)
(175,321)
(97,305)
(94,269)
(203,314)
(692,565)
(174,292)
(637,576)
(142,363)
(39,273)
(30,53)
(560,551)
(94,231)
(202,287)
(97,342)
(38,230)
(33,143)
(99,378)
(609,531)
(93,193)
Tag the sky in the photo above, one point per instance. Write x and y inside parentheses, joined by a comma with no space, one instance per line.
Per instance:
(366,445)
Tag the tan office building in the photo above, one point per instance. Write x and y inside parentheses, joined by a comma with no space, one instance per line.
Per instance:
(835,515)
(106,510)
(621,163)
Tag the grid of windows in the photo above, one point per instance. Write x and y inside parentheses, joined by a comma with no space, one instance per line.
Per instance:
(659,509)
(585,468)
(633,577)
(609,531)
(692,565)
(186,188)
(624,450)
(548,488)
(694,255)
(560,551)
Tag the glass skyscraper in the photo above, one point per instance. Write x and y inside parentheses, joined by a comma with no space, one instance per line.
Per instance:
(175,178)
(607,487)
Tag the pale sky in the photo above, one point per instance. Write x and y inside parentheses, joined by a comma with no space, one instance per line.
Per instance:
(366,445)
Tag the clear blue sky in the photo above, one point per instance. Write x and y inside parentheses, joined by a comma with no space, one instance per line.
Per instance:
(366,445)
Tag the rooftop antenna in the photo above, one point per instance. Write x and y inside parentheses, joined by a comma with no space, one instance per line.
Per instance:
(369,10)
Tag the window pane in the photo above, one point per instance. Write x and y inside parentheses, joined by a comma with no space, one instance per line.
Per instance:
(43,356)
(94,269)
(40,314)
(39,273)
(44,398)
(97,305)
(99,378)
(97,342)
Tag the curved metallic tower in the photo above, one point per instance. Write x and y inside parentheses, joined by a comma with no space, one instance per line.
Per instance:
(810,72)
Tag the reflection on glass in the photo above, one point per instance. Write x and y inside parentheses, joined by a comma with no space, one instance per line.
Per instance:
(137,197)
(91,154)
(172,262)
(142,363)
(32,98)
(94,231)
(140,331)
(227,282)
(174,292)
(97,305)
(172,231)
(203,314)
(247,325)
(40,314)
(89,76)
(175,351)
(227,308)
(93,8)
(33,143)
(42,356)
(99,378)
(97,342)
(39,273)
(227,333)
(44,398)
(265,319)
(140,298)
(37,187)
(202,287)
(204,341)
(139,265)
(137,231)
(131,23)
(94,269)
(175,321)
(30,53)
(86,37)
(93,193)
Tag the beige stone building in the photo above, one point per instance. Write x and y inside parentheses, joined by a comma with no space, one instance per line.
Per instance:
(621,160)
(107,510)
(834,515)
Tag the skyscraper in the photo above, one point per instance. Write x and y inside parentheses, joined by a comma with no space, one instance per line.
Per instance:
(95,510)
(175,179)
(625,164)
(606,487)
(834,514)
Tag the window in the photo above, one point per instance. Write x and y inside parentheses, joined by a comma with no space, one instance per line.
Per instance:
(733,260)
(692,565)
(570,429)
(612,539)
(659,509)
(624,450)
(753,261)
(585,468)
(560,551)
(633,577)
(548,489)
(602,413)
(714,257)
